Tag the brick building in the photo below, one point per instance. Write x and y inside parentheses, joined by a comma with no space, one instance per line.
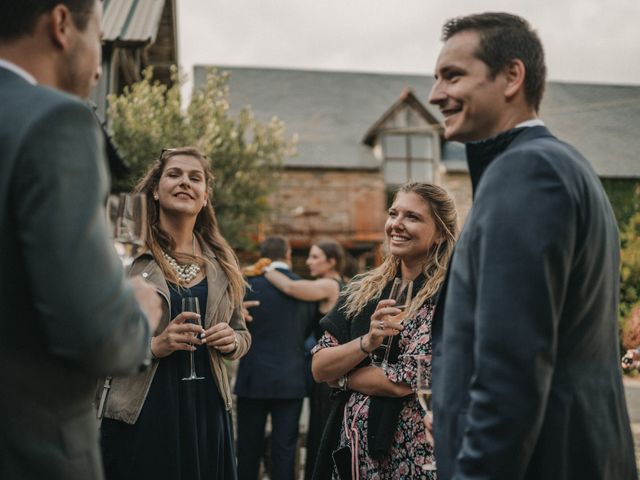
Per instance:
(349,159)
(360,135)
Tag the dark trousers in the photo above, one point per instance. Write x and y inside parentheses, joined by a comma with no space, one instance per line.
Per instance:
(252,418)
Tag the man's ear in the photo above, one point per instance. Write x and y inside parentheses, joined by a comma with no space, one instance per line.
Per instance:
(60,26)
(514,75)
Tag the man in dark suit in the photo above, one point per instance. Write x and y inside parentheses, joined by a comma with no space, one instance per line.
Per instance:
(66,313)
(272,377)
(526,376)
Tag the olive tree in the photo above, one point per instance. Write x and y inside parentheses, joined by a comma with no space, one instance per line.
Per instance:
(246,154)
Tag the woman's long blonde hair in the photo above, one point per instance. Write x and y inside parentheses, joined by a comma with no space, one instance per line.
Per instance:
(369,285)
(206,226)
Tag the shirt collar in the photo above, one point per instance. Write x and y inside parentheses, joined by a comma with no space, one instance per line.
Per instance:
(279,264)
(534,122)
(12,67)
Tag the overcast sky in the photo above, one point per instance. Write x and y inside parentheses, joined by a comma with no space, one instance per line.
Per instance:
(585,40)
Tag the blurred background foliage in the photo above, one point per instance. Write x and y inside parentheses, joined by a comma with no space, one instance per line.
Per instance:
(246,155)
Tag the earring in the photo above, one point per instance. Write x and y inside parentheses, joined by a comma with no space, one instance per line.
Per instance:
(205,203)
(155,196)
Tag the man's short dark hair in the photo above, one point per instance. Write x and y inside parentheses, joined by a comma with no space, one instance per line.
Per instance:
(274,247)
(503,38)
(19,17)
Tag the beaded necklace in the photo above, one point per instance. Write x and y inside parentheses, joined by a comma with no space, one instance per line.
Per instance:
(185,273)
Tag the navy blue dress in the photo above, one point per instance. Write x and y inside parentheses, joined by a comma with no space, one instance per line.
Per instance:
(184,431)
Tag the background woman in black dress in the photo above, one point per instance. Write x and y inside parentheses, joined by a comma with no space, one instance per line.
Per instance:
(156,425)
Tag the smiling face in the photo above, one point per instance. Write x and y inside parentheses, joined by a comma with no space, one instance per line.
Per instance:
(410,228)
(182,189)
(471,101)
(318,263)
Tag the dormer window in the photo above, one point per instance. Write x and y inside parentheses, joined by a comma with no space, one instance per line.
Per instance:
(408,156)
(406,141)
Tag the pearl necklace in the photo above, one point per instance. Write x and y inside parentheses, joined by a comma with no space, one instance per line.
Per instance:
(185,273)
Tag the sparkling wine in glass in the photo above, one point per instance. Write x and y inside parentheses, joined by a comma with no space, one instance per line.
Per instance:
(380,356)
(190,304)
(127,218)
(127,223)
(423,381)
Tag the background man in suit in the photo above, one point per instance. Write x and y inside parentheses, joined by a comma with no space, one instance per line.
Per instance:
(66,313)
(272,377)
(526,375)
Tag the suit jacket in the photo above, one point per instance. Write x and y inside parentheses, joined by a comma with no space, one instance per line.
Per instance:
(526,375)
(275,365)
(66,313)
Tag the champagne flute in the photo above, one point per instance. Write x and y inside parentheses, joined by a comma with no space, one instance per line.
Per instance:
(127,223)
(127,219)
(190,304)
(380,356)
(423,383)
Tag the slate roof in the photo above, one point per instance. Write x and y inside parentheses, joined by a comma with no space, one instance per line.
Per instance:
(332,111)
(131,21)
(602,121)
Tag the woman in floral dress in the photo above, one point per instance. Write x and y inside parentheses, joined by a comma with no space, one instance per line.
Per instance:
(379,434)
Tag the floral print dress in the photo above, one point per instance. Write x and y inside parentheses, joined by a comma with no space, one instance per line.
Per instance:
(409,450)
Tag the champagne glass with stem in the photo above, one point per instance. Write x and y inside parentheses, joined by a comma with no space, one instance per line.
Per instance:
(380,357)
(190,304)
(127,220)
(423,383)
(127,223)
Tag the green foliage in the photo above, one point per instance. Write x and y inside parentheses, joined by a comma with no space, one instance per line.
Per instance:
(630,267)
(624,195)
(246,155)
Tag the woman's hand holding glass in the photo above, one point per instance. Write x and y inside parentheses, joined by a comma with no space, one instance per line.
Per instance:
(179,335)
(390,321)
(386,321)
(221,337)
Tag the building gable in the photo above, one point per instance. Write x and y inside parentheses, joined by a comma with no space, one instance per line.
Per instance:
(406,114)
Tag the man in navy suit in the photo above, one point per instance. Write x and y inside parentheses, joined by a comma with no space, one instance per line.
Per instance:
(526,376)
(272,376)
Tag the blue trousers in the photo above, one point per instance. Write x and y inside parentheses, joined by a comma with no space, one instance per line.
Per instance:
(252,418)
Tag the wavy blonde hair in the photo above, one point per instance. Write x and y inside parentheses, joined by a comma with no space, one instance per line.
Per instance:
(206,226)
(369,285)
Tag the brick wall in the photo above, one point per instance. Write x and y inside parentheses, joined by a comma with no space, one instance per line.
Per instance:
(459,187)
(348,206)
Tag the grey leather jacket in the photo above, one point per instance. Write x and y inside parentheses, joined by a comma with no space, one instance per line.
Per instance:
(128,393)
